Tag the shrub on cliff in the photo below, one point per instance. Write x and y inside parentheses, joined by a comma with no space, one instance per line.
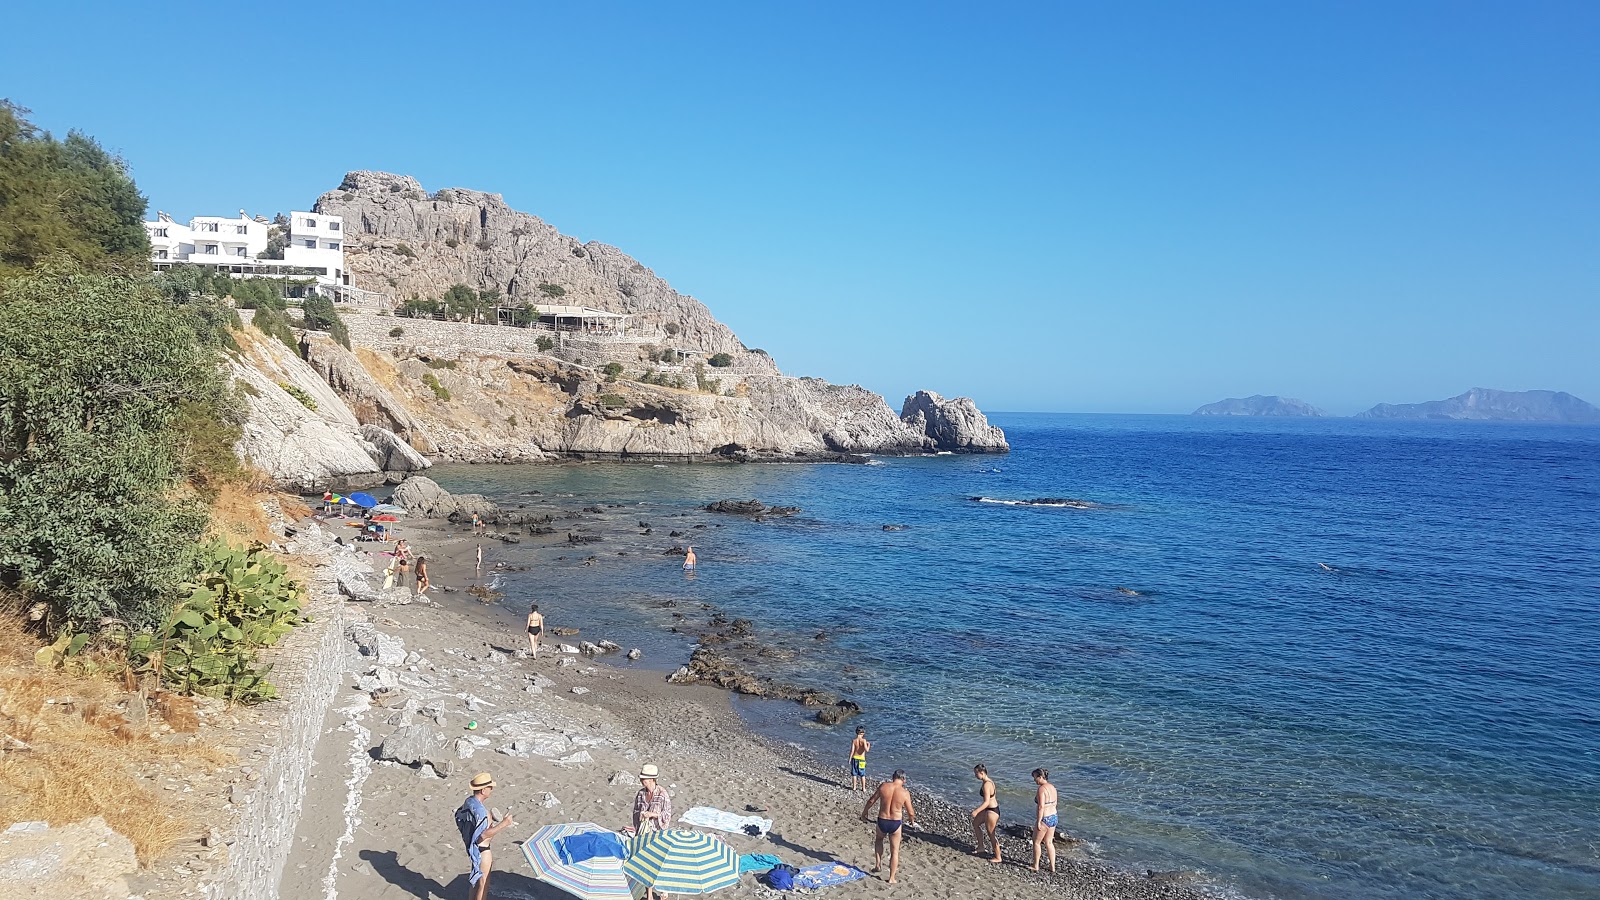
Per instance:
(545,344)
(612,370)
(321,315)
(95,374)
(721,360)
(275,323)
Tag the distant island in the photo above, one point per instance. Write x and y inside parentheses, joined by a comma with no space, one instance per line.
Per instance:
(1259,405)
(1487,404)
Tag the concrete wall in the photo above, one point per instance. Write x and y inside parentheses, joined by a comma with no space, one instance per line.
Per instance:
(306,671)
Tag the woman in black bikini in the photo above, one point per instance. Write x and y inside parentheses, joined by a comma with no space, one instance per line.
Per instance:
(535,627)
(987,816)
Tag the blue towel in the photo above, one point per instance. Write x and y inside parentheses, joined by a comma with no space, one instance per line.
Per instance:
(757,862)
(579,847)
(824,875)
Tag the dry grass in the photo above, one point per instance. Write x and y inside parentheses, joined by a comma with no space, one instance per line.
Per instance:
(237,516)
(84,756)
(381,368)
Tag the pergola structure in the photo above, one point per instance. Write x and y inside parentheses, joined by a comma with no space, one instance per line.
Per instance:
(579,319)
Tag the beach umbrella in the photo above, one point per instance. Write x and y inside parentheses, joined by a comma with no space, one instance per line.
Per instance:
(385,518)
(595,878)
(365,501)
(389,509)
(681,862)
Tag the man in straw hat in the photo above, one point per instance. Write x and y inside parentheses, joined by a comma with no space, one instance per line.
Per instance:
(652,806)
(473,820)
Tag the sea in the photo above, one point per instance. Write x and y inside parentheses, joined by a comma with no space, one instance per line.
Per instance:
(1305,658)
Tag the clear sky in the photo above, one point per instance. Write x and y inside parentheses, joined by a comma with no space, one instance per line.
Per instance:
(1099,207)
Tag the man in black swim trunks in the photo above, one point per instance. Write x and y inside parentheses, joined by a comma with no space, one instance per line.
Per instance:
(893,801)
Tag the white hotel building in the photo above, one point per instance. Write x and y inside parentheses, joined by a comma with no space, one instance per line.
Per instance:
(313,245)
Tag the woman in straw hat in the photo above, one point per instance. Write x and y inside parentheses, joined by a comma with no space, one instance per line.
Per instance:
(476,831)
(652,806)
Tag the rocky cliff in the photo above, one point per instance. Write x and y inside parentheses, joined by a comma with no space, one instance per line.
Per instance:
(1259,405)
(1489,404)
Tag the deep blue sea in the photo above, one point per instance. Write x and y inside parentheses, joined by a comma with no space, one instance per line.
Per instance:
(1362,659)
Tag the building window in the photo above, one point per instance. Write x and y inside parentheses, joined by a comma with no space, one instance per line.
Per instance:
(209,248)
(311,223)
(241,229)
(333,246)
(159,232)
(208,226)
(161,254)
(333,226)
(311,245)
(239,251)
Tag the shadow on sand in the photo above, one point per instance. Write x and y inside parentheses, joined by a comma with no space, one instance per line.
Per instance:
(502,884)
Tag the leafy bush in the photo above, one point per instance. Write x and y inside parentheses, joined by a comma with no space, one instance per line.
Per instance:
(441,364)
(433,384)
(721,360)
(544,343)
(294,391)
(485,244)
(416,195)
(275,323)
(405,250)
(420,309)
(396,331)
(322,315)
(552,290)
(670,328)
(94,369)
(444,195)
(512,421)
(452,243)
(612,370)
(239,601)
(612,401)
(462,303)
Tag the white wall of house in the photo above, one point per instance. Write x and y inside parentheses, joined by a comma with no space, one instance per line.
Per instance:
(316,242)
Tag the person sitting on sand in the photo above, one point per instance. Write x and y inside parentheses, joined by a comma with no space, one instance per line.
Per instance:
(535,628)
(893,801)
(402,550)
(472,818)
(987,816)
(858,760)
(688,559)
(421,584)
(652,806)
(1044,830)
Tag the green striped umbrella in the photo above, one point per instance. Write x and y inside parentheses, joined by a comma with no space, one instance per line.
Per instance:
(681,862)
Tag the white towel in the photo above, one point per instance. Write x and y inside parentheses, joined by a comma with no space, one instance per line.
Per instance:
(722,820)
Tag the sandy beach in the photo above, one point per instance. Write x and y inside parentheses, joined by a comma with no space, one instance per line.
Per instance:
(565,736)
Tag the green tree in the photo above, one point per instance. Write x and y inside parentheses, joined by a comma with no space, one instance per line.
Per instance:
(64,197)
(96,370)
(462,303)
(321,315)
(553,291)
(720,360)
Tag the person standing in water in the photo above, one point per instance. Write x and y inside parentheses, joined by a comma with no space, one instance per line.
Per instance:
(893,801)
(688,560)
(535,628)
(858,760)
(1044,830)
(987,816)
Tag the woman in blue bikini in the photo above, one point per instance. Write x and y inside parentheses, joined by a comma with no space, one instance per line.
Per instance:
(1044,830)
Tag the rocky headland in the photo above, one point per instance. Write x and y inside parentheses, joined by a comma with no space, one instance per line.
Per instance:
(1491,405)
(678,384)
(1259,405)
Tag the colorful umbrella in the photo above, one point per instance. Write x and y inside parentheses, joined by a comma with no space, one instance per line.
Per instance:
(365,501)
(385,518)
(595,878)
(681,862)
(389,508)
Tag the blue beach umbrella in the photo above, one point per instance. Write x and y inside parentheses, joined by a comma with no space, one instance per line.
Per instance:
(595,878)
(389,508)
(365,501)
(681,862)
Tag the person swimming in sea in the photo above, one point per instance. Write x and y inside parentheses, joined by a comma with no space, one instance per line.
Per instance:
(688,559)
(986,818)
(858,760)
(893,802)
(1044,827)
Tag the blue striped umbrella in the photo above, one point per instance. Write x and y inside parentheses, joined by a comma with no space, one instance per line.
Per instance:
(595,878)
(681,862)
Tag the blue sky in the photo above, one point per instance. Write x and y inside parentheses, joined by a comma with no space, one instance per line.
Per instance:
(1097,207)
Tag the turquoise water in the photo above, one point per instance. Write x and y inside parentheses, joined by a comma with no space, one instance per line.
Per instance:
(1419,719)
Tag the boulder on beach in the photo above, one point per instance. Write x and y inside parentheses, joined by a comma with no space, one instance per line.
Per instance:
(750,508)
(423,497)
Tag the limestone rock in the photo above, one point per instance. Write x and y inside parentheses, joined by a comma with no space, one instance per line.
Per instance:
(955,424)
(623,779)
(85,860)
(423,497)
(378,678)
(548,800)
(411,745)
(369,402)
(390,453)
(635,653)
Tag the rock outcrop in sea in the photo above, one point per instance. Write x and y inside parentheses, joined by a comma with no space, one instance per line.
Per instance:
(1259,405)
(678,384)
(1489,404)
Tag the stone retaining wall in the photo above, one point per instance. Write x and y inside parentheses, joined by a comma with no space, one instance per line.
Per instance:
(306,671)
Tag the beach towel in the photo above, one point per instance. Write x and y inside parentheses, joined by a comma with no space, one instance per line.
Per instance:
(473,819)
(722,820)
(824,875)
(757,862)
(579,847)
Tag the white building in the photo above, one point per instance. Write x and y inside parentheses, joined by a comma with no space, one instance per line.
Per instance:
(221,240)
(169,241)
(316,241)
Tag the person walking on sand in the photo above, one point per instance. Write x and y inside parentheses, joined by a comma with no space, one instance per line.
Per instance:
(472,819)
(652,806)
(688,560)
(480,559)
(987,816)
(535,628)
(858,760)
(420,585)
(893,801)
(402,567)
(1044,829)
